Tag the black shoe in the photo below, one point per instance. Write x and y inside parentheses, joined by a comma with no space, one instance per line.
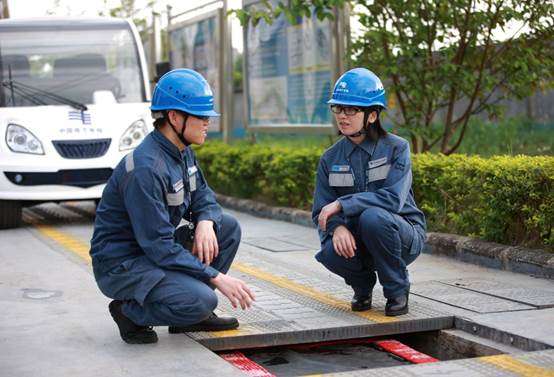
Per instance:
(397,306)
(361,303)
(129,331)
(212,323)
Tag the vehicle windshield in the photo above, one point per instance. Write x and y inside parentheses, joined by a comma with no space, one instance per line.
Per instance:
(71,63)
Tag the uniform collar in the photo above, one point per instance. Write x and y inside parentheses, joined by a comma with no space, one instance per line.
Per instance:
(167,145)
(366,145)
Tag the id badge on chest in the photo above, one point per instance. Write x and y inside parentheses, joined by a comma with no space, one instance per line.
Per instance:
(192,177)
(341,176)
(377,170)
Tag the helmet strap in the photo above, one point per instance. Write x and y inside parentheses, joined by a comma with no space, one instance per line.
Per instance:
(359,133)
(364,129)
(180,135)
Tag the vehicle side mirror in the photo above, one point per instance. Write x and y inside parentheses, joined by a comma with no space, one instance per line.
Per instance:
(161,69)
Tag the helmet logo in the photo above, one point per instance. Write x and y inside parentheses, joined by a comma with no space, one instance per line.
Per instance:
(341,87)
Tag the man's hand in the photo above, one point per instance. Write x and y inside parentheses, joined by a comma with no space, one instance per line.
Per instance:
(344,242)
(328,211)
(205,242)
(234,289)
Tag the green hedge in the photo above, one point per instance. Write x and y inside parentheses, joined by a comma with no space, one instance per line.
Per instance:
(504,199)
(282,176)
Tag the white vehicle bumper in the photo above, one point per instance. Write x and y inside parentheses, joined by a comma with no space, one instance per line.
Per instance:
(10,191)
(68,180)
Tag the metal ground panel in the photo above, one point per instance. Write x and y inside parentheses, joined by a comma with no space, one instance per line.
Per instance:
(83,208)
(536,364)
(31,217)
(53,213)
(465,299)
(274,244)
(308,239)
(292,308)
(540,298)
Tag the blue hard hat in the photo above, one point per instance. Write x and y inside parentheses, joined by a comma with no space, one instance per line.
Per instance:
(185,90)
(359,87)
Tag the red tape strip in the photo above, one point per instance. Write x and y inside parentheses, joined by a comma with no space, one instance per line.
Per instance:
(405,352)
(246,365)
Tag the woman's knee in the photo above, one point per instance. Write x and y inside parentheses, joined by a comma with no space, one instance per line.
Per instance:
(373,220)
(328,257)
(230,229)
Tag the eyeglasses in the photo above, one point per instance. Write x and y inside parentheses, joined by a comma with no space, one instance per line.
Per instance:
(347,110)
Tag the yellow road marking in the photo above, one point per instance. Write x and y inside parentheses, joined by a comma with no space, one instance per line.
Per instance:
(516,366)
(311,293)
(227,333)
(241,331)
(72,244)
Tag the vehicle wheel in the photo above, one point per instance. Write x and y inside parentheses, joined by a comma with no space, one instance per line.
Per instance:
(10,214)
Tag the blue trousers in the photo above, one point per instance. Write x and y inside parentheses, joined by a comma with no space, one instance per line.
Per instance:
(386,243)
(177,299)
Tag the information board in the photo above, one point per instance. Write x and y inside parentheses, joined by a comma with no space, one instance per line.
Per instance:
(288,72)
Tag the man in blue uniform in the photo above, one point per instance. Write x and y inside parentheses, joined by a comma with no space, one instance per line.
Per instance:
(158,273)
(364,206)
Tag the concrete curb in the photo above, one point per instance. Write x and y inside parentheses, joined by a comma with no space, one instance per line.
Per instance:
(291,215)
(489,254)
(538,263)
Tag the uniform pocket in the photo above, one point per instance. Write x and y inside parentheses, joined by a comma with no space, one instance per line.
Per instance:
(175,198)
(341,179)
(175,203)
(378,173)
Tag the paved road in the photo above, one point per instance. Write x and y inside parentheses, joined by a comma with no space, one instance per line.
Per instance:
(54,321)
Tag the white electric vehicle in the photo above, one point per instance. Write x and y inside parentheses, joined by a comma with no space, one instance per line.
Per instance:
(73,102)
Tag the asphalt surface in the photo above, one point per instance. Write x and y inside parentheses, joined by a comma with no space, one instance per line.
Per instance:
(54,321)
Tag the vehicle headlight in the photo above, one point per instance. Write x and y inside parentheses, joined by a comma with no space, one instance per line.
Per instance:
(21,140)
(133,135)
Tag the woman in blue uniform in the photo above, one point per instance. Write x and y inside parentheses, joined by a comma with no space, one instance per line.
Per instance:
(364,205)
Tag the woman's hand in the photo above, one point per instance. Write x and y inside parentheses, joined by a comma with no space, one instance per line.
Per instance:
(344,242)
(328,211)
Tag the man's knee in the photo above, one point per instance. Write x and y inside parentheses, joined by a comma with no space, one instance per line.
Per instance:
(201,309)
(208,303)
